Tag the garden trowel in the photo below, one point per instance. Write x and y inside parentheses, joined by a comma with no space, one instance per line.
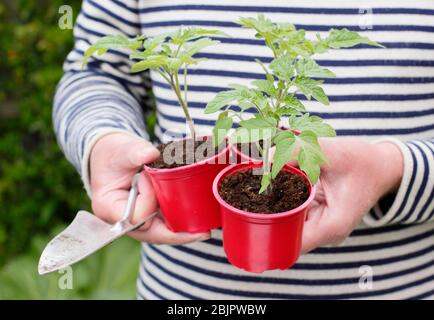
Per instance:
(87,234)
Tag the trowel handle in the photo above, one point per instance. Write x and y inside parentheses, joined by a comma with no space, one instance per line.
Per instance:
(129,210)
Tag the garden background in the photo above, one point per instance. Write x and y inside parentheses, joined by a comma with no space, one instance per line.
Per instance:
(39,190)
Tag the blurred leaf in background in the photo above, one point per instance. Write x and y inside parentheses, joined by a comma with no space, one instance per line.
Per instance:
(39,189)
(109,274)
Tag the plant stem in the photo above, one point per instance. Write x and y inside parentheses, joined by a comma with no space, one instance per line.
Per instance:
(184,106)
(266,163)
(185,86)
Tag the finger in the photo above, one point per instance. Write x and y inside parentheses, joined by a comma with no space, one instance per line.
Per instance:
(158,233)
(146,203)
(313,232)
(111,205)
(141,153)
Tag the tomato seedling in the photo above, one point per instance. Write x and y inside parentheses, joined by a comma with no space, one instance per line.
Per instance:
(292,71)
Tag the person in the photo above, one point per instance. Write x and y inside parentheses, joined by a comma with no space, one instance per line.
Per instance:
(375,198)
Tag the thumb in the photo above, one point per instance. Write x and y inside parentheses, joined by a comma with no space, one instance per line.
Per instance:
(140,152)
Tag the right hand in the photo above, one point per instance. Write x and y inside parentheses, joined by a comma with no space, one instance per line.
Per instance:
(114,160)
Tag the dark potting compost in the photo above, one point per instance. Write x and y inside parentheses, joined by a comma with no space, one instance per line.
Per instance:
(184,152)
(241,190)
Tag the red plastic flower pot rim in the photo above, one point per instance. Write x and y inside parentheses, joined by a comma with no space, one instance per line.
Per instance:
(264,217)
(211,160)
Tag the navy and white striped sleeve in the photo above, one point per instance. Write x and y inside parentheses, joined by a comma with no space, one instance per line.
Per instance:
(414,200)
(104,97)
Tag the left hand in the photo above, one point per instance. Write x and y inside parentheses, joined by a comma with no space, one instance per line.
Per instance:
(357,176)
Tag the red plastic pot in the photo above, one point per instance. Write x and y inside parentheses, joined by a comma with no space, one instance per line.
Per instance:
(185,194)
(240,156)
(258,242)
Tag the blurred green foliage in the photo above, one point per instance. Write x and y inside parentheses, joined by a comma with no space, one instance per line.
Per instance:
(39,190)
(109,274)
(38,187)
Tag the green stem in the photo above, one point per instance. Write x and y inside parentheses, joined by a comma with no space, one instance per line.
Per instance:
(185,86)
(162,73)
(266,163)
(261,151)
(184,106)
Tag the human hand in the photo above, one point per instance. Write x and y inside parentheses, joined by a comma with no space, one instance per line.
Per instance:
(114,160)
(358,175)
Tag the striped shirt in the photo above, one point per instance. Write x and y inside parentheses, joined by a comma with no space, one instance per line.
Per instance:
(378,93)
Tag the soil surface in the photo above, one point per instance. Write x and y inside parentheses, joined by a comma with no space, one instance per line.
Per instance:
(241,190)
(184,152)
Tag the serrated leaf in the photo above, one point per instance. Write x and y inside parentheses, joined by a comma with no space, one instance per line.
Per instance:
(261,24)
(259,122)
(309,68)
(174,64)
(310,157)
(344,38)
(102,45)
(245,105)
(238,87)
(284,135)
(222,99)
(293,102)
(153,43)
(310,88)
(283,67)
(142,55)
(194,33)
(221,128)
(152,62)
(191,48)
(314,124)
(309,165)
(266,86)
(282,154)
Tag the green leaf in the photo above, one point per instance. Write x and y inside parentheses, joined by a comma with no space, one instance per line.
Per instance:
(310,88)
(310,157)
(184,34)
(152,62)
(312,123)
(284,135)
(309,165)
(142,55)
(245,135)
(153,43)
(102,45)
(282,154)
(265,182)
(191,48)
(293,102)
(221,128)
(222,99)
(266,86)
(283,67)
(245,104)
(309,68)
(261,24)
(344,38)
(238,87)
(259,122)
